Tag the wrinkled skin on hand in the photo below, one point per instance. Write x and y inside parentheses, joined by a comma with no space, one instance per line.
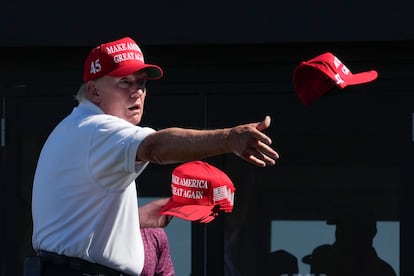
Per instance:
(149,214)
(251,144)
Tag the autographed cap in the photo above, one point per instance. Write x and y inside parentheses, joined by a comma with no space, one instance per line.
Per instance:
(315,77)
(118,58)
(199,192)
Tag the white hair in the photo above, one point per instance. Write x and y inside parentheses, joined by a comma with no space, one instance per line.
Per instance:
(82,93)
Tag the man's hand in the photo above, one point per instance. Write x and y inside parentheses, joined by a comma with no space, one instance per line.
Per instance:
(149,214)
(251,144)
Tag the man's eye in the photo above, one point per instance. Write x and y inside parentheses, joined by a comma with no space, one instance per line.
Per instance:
(124,83)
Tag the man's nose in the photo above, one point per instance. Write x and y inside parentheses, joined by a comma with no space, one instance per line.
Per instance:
(137,92)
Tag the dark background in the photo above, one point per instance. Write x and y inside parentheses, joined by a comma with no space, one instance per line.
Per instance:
(162,22)
(225,62)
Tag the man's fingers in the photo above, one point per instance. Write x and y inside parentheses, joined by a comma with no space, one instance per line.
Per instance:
(254,146)
(267,151)
(163,201)
(256,161)
(164,221)
(264,124)
(261,158)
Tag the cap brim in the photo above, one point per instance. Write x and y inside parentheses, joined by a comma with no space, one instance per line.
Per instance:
(207,219)
(363,77)
(307,259)
(186,212)
(154,71)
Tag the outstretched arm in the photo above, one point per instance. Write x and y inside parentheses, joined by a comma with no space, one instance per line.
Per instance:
(174,145)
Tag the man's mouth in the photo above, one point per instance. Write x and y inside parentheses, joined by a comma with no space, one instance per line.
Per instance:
(133,108)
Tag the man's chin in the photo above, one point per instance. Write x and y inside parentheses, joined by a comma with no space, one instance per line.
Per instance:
(134,120)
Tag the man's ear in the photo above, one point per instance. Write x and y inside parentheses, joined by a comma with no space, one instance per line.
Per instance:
(92,92)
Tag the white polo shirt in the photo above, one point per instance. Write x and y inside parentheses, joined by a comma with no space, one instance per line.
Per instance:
(84,196)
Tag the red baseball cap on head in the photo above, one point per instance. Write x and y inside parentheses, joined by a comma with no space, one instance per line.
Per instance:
(199,191)
(315,77)
(118,58)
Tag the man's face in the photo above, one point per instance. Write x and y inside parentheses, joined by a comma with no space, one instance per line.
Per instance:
(123,97)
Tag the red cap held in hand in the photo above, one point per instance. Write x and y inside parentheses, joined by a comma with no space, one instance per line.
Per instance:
(199,191)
